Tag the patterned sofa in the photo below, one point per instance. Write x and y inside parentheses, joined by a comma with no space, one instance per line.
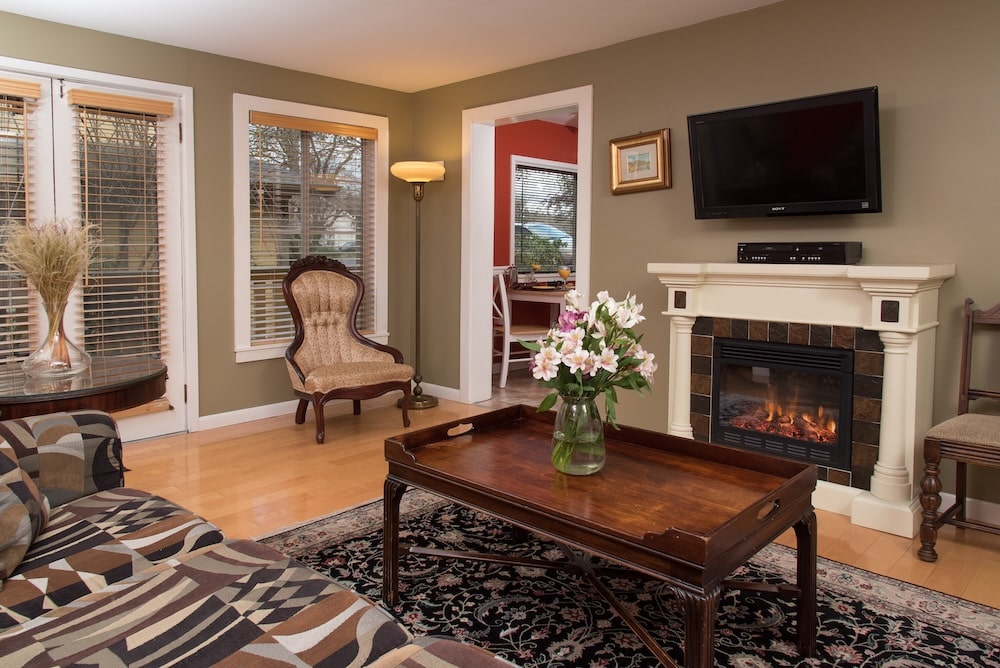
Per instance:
(117,576)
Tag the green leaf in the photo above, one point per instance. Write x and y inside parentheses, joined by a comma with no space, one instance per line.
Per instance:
(548,402)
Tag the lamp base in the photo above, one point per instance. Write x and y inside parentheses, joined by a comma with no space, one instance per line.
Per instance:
(418,402)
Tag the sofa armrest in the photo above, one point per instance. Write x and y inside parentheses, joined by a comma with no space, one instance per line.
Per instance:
(68,454)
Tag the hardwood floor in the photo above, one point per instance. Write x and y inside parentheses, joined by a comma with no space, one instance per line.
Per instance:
(254,478)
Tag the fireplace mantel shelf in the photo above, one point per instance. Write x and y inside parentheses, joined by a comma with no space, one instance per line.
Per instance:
(900,302)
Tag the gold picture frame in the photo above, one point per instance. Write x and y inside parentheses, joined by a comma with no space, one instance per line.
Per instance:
(640,162)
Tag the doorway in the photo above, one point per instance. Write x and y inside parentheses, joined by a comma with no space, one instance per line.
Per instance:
(478,145)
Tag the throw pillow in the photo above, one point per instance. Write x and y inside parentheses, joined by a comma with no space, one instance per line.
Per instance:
(23,512)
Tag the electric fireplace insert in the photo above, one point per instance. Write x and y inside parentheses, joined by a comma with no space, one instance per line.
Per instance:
(789,400)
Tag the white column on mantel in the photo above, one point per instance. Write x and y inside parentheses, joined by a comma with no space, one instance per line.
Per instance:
(891,480)
(679,410)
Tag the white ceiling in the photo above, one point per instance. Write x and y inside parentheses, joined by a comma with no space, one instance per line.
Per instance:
(396,44)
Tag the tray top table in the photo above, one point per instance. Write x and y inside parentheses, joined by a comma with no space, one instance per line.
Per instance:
(679,510)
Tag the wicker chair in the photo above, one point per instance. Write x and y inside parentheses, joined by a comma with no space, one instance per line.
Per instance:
(328,358)
(967,438)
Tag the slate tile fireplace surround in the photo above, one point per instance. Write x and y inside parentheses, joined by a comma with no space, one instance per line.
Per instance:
(887,315)
(865,399)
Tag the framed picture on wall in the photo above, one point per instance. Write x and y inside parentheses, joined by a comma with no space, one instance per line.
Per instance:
(640,162)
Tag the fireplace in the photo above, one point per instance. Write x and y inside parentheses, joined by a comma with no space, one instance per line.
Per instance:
(885,314)
(783,399)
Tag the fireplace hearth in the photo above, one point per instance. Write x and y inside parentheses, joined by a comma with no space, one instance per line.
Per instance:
(783,399)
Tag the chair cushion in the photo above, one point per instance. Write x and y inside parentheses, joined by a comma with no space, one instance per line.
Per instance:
(96,541)
(236,604)
(23,512)
(975,428)
(354,374)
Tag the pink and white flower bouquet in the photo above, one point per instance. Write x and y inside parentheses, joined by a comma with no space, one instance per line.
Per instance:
(590,352)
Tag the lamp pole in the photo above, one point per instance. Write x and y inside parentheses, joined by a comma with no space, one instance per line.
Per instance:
(418,174)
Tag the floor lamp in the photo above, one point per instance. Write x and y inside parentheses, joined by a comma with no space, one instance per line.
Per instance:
(418,173)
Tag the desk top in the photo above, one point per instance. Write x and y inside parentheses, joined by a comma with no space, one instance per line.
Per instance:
(112,383)
(658,499)
(538,294)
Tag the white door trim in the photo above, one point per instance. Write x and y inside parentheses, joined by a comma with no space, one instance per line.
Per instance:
(475,372)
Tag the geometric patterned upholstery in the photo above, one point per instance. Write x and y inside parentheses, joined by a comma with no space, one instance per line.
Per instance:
(68,454)
(430,652)
(237,603)
(23,512)
(96,541)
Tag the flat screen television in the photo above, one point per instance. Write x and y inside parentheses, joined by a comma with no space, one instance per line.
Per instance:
(812,155)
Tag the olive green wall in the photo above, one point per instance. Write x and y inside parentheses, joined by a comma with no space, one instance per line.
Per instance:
(936,68)
(934,64)
(224,385)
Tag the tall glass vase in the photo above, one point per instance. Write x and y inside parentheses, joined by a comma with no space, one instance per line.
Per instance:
(578,437)
(57,357)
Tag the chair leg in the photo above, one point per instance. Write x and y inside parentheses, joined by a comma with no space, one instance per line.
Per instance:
(320,420)
(300,411)
(504,365)
(403,406)
(357,406)
(960,480)
(930,501)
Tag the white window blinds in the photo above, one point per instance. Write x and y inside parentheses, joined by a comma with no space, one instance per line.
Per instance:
(312,192)
(17,107)
(120,175)
(544,217)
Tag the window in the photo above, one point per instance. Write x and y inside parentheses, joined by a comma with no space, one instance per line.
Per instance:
(17,107)
(544,214)
(310,182)
(106,151)
(119,144)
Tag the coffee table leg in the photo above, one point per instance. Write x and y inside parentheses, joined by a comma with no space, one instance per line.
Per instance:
(700,611)
(805,537)
(392,494)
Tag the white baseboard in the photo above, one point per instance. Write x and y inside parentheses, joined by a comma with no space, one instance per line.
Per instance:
(842,500)
(340,407)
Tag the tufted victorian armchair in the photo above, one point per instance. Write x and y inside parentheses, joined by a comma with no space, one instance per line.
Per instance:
(328,358)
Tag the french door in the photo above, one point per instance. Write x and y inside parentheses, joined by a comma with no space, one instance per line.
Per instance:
(107,154)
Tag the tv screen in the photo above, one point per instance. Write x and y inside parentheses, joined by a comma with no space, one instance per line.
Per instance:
(814,155)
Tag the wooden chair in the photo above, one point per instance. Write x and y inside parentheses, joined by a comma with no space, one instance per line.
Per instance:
(506,334)
(968,438)
(328,358)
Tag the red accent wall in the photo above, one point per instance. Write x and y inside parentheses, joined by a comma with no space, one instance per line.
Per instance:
(535,139)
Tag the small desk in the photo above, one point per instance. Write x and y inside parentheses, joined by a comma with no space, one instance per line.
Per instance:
(685,512)
(555,298)
(111,384)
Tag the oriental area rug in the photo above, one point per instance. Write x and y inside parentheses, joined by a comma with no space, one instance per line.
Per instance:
(536,617)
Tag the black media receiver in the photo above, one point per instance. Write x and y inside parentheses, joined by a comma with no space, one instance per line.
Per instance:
(807,252)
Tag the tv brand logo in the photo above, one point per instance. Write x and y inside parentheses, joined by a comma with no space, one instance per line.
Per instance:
(777,208)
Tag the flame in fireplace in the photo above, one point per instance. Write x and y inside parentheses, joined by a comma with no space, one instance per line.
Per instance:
(775,419)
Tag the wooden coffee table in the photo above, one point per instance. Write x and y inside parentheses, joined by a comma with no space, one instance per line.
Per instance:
(685,512)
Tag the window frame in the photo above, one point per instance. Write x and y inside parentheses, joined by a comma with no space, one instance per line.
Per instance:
(541,163)
(242,106)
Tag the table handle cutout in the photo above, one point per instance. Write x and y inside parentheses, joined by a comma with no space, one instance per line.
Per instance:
(459,429)
(767,513)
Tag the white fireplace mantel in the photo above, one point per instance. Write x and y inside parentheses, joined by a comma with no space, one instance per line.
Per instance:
(900,302)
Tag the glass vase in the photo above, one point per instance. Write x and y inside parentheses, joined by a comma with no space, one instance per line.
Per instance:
(57,357)
(578,437)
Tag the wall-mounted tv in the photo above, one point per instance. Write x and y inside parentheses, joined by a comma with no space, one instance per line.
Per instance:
(813,155)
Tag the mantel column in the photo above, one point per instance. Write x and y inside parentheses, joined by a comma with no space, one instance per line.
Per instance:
(679,409)
(891,479)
